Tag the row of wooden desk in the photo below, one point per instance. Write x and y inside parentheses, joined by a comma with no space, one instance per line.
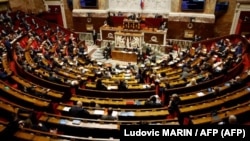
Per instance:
(118,112)
(30,100)
(81,122)
(35,135)
(124,56)
(214,103)
(208,118)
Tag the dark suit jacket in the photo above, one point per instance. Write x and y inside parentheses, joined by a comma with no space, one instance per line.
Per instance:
(76,111)
(108,117)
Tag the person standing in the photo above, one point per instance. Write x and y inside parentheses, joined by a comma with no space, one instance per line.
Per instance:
(109,115)
(94,36)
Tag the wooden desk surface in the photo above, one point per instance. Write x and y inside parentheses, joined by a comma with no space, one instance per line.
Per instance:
(222,114)
(125,112)
(146,30)
(124,56)
(105,101)
(7,107)
(29,59)
(215,102)
(70,122)
(34,135)
(6,65)
(37,88)
(195,95)
(89,123)
(27,136)
(110,81)
(22,96)
(204,92)
(115,86)
(2,127)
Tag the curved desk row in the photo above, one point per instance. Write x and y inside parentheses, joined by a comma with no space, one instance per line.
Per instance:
(188,98)
(23,97)
(35,135)
(207,118)
(126,114)
(216,103)
(70,125)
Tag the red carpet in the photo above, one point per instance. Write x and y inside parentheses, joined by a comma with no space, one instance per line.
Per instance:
(246,61)
(12,67)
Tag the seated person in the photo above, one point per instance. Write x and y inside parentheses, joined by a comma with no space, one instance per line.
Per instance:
(130,66)
(132,17)
(207,77)
(41,127)
(192,82)
(100,85)
(78,111)
(153,100)
(163,26)
(174,103)
(122,86)
(3,74)
(94,104)
(109,115)
(232,119)
(237,82)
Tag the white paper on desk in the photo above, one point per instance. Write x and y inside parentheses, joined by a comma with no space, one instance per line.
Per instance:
(39,54)
(112,87)
(98,112)
(66,109)
(145,86)
(99,63)
(126,77)
(155,68)
(227,84)
(131,114)
(114,113)
(124,67)
(118,71)
(75,121)
(124,114)
(63,121)
(171,63)
(200,94)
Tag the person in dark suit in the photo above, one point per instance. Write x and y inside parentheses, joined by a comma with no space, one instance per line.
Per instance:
(3,74)
(122,86)
(11,127)
(153,100)
(109,115)
(100,86)
(78,111)
(237,82)
(8,46)
(173,104)
(94,36)
(109,20)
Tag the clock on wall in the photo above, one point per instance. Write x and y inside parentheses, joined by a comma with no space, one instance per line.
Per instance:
(190,25)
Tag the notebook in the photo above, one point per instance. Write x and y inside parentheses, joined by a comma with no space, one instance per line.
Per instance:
(76,122)
(63,121)
(66,109)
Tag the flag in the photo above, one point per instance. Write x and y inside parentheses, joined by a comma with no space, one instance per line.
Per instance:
(142,4)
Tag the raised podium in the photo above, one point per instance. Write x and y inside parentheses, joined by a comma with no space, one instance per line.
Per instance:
(131,24)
